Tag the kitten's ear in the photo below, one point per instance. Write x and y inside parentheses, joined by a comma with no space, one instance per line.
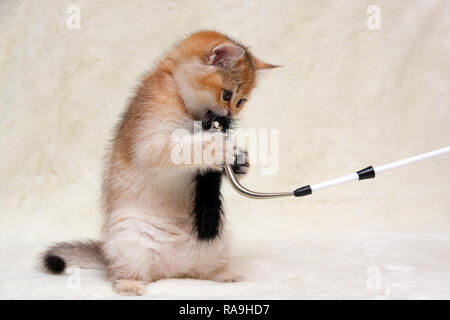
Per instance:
(225,55)
(261,65)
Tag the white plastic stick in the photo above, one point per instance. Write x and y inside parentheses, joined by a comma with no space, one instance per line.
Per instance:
(330,183)
(406,161)
(383,168)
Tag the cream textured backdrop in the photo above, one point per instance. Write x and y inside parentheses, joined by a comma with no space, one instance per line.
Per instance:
(346,97)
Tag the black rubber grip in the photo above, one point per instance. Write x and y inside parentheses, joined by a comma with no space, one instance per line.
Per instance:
(303,191)
(366,173)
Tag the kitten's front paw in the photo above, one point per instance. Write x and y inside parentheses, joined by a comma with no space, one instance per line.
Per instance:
(241,164)
(129,287)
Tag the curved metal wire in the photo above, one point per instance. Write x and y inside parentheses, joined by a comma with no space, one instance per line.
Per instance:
(243,190)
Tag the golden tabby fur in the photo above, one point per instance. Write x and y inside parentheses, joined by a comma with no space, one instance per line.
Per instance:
(147,231)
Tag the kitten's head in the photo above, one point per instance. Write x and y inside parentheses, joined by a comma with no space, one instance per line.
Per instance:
(217,74)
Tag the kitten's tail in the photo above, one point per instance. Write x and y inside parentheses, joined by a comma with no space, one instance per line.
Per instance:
(84,254)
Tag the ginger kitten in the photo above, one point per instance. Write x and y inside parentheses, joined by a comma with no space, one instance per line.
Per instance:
(165,220)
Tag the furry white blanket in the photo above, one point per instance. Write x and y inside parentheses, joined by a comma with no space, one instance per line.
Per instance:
(376,266)
(346,97)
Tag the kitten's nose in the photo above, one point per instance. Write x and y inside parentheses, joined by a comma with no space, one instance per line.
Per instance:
(223,112)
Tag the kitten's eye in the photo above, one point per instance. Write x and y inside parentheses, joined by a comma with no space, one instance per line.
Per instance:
(226,95)
(240,102)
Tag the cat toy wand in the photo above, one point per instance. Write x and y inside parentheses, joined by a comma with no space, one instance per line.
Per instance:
(363,174)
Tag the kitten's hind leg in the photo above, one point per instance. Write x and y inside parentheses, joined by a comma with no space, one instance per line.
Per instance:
(128,287)
(225,275)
